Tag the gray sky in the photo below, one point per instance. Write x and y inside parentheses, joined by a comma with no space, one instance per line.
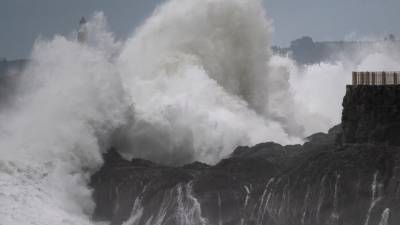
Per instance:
(22,21)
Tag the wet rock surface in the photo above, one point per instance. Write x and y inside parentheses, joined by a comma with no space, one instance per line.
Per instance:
(371,114)
(334,178)
(280,185)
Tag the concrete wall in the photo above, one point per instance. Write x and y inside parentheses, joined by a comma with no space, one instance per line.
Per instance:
(376,78)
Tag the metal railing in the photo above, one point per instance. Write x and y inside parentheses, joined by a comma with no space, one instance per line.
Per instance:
(376,78)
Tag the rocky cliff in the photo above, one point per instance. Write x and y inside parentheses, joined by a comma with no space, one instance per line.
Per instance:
(371,114)
(347,176)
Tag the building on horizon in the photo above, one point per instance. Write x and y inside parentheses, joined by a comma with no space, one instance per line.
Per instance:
(82,32)
(376,78)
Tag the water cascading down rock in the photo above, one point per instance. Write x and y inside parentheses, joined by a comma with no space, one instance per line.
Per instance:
(349,176)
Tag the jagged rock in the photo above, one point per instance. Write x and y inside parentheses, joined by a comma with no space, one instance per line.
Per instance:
(349,176)
(302,188)
(196,166)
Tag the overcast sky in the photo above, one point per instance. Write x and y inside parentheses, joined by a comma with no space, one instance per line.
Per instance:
(22,21)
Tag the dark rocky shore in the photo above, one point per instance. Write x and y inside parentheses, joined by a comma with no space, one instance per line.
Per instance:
(349,176)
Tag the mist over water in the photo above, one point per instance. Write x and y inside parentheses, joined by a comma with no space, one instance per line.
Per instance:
(318,90)
(70,100)
(200,82)
(196,80)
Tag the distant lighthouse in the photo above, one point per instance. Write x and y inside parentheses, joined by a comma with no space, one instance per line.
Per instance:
(82,32)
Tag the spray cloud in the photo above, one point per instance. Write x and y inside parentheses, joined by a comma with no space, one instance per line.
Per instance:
(193,82)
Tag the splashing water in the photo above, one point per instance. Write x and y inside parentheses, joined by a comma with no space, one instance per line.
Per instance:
(375,196)
(385,217)
(70,101)
(246,200)
(195,97)
(305,207)
(321,197)
(219,202)
(180,200)
(189,209)
(265,199)
(205,94)
(137,212)
(193,82)
(335,214)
